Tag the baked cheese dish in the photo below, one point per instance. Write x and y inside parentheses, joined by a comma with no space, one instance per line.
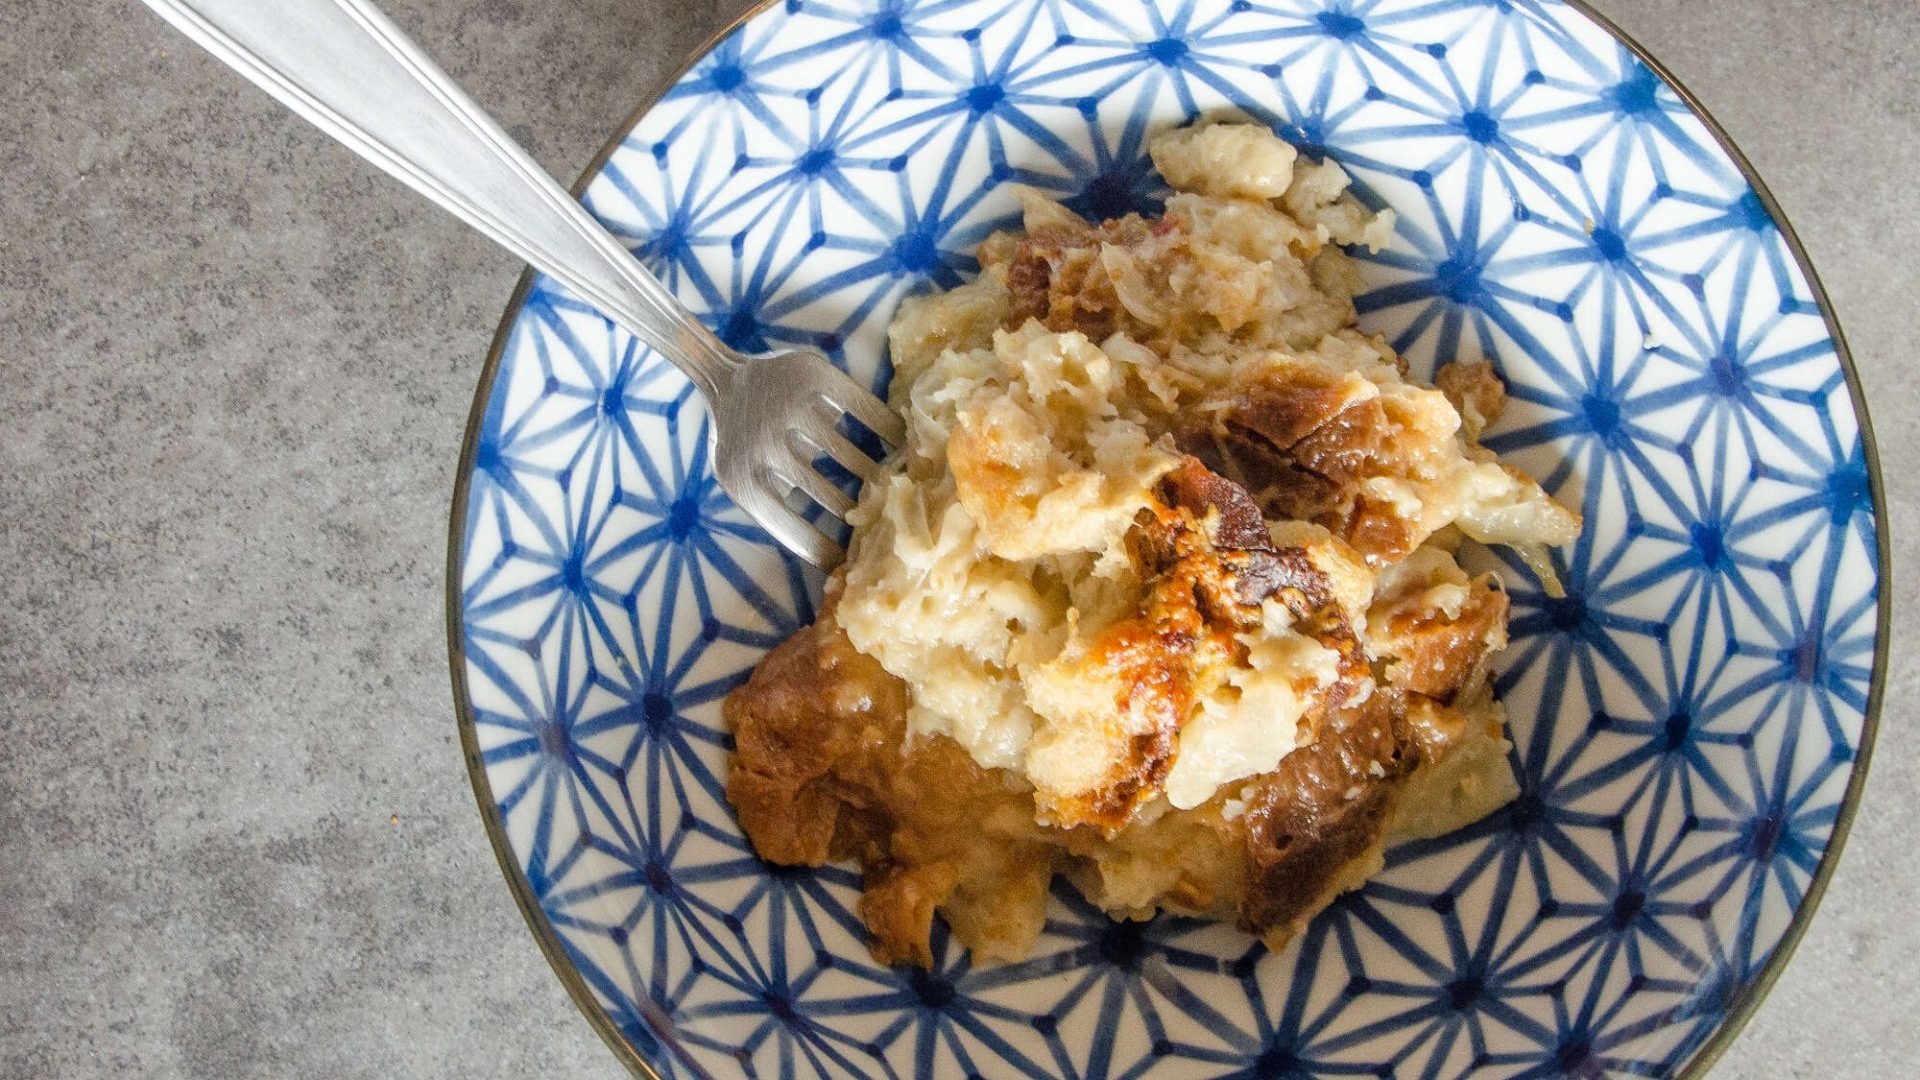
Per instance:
(1161,593)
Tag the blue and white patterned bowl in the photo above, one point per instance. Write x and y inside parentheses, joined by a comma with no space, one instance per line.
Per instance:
(1692,721)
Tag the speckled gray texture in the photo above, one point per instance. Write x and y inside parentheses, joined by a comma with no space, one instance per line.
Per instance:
(236,836)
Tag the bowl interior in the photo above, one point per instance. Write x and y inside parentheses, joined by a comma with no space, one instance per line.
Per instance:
(1687,719)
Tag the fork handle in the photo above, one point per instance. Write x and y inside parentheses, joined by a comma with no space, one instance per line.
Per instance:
(344,66)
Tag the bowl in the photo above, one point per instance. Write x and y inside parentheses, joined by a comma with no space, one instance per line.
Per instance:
(1692,720)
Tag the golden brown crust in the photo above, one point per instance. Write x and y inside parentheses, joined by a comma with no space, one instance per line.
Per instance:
(1428,652)
(1325,807)
(1307,446)
(1211,564)
(1151,658)
(1202,588)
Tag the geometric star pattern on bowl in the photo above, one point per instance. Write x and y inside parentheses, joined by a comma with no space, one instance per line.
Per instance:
(1690,720)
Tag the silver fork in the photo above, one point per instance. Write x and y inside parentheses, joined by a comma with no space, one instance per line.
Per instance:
(344,66)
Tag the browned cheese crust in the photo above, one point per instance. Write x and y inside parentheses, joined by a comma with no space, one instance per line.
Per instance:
(823,769)
(1211,564)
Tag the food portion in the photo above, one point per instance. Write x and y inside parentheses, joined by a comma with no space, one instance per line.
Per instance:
(1160,594)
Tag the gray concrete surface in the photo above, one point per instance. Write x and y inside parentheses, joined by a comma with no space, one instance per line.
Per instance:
(236,838)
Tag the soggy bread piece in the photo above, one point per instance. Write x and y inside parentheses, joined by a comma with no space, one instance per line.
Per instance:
(823,771)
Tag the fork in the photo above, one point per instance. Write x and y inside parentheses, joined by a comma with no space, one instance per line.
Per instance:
(344,66)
